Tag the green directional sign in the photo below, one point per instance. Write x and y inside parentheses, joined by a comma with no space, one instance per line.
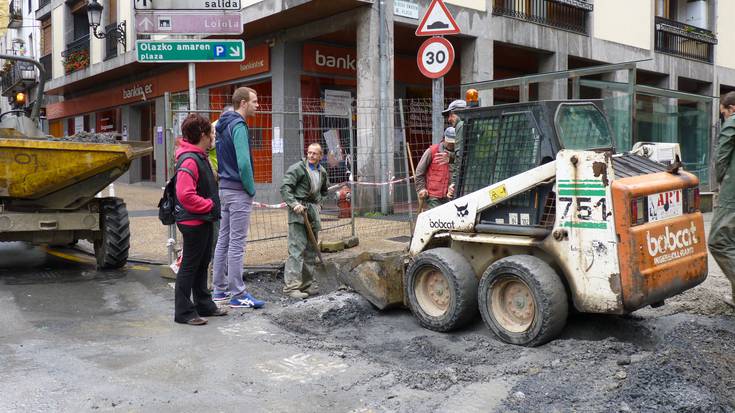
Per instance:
(186,51)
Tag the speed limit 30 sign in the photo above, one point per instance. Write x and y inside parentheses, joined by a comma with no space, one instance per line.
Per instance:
(435,58)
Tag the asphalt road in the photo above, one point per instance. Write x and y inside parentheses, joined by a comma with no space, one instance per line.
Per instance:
(76,339)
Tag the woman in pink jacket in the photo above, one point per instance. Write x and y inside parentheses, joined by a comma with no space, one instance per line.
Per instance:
(197,208)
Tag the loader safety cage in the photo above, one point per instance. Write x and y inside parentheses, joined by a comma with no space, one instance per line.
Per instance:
(506,140)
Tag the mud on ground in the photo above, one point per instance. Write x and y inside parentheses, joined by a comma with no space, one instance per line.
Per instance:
(680,357)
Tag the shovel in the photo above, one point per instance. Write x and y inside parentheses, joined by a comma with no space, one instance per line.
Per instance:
(312,238)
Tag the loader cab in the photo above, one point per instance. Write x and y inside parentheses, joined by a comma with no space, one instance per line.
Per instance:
(505,140)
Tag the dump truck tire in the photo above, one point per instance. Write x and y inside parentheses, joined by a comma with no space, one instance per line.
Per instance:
(112,250)
(523,300)
(442,289)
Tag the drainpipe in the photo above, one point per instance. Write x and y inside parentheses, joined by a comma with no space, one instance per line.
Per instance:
(382,110)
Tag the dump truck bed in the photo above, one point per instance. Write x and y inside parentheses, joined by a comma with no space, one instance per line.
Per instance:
(36,168)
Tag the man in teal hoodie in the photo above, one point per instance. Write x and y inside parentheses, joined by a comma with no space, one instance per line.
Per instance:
(236,191)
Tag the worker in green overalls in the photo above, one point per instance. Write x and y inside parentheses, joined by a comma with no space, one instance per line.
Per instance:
(304,188)
(722,232)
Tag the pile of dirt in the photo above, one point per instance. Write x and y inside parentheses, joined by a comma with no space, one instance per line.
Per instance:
(681,376)
(671,374)
(324,313)
(88,137)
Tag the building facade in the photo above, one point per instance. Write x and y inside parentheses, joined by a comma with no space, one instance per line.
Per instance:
(21,37)
(365,51)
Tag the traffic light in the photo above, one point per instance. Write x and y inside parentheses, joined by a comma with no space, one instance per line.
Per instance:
(20,99)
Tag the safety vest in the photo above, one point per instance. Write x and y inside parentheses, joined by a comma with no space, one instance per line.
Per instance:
(437,177)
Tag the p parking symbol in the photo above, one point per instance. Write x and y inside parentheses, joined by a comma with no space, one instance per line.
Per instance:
(220,50)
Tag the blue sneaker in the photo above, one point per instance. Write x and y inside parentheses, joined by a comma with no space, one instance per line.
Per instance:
(246,301)
(221,296)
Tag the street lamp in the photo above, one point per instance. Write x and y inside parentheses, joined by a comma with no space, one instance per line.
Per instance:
(94,15)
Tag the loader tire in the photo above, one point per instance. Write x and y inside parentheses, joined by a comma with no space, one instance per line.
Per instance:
(112,250)
(523,300)
(442,289)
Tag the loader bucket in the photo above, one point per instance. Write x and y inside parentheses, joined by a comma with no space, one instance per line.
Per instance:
(32,169)
(377,277)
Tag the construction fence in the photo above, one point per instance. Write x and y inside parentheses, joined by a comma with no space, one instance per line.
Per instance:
(372,193)
(370,154)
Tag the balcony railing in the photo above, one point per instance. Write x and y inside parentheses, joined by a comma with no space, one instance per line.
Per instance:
(570,15)
(683,40)
(76,55)
(47,66)
(17,77)
(43,3)
(111,41)
(15,14)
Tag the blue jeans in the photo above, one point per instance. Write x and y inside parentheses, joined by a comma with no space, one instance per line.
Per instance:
(231,242)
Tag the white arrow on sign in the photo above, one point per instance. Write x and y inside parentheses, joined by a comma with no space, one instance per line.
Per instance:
(234,51)
(146,23)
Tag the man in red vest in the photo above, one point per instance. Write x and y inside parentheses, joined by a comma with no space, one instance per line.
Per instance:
(433,173)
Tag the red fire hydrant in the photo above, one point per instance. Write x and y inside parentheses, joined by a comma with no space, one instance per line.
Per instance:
(344,200)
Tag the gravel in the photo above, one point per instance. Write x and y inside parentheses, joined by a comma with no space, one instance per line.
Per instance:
(88,137)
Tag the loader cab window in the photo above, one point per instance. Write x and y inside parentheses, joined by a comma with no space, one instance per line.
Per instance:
(499,147)
(582,126)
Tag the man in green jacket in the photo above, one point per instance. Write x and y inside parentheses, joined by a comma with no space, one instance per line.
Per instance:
(722,232)
(304,188)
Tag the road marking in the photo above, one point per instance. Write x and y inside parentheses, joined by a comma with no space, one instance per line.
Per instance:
(69,257)
(301,367)
(139,268)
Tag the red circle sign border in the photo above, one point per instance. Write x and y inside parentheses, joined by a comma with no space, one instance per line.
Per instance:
(426,44)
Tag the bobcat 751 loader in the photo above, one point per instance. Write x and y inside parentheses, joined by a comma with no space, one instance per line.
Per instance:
(548,217)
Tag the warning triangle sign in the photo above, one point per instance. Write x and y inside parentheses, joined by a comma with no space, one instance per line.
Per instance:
(437,21)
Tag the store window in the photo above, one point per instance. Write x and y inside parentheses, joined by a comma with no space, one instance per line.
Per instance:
(106,121)
(77,124)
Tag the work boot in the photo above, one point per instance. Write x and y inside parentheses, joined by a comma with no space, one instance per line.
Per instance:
(312,289)
(297,294)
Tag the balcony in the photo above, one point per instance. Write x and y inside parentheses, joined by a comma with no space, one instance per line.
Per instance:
(15,14)
(47,67)
(17,77)
(680,39)
(76,55)
(43,3)
(569,15)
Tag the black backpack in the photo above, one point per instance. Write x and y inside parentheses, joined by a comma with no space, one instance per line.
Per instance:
(167,204)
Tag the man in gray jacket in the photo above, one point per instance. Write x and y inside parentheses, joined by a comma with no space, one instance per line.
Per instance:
(722,233)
